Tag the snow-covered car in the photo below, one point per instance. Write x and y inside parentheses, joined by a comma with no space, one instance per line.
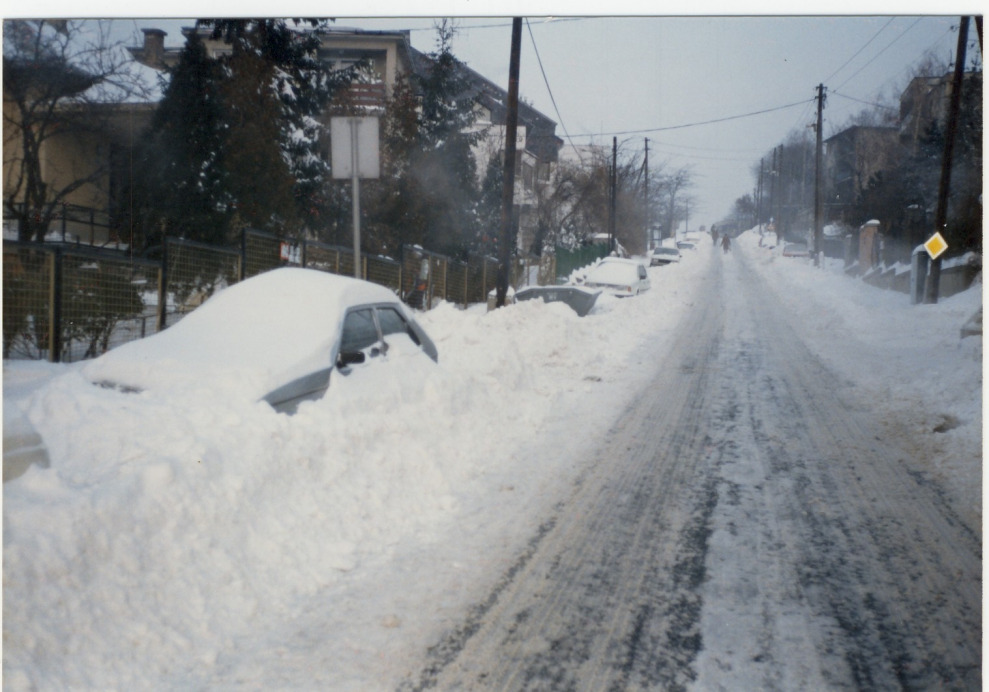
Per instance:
(22,445)
(686,245)
(664,255)
(278,337)
(795,250)
(618,276)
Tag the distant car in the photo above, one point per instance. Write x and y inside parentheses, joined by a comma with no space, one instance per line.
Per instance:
(686,245)
(795,250)
(618,276)
(280,336)
(664,255)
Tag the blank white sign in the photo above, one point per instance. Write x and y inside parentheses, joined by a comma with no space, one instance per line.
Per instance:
(341,146)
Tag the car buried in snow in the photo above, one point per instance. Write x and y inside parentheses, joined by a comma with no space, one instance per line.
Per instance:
(664,255)
(618,276)
(279,337)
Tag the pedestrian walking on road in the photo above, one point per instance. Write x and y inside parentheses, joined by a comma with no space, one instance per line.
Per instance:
(725,243)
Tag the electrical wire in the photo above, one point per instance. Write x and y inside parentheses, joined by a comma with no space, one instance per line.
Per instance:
(695,124)
(866,45)
(550,91)
(867,103)
(876,56)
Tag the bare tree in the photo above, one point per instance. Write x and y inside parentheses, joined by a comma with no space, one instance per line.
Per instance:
(673,188)
(61,79)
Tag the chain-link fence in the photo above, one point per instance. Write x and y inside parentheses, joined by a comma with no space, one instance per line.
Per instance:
(105,302)
(66,302)
(194,272)
(28,300)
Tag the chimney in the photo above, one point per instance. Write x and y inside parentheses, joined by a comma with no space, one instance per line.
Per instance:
(154,47)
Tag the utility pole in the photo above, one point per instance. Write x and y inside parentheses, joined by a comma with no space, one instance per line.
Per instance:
(772,186)
(818,175)
(933,285)
(507,240)
(648,210)
(758,202)
(779,194)
(614,190)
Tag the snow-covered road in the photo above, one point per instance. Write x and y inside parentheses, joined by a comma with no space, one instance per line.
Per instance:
(696,471)
(749,523)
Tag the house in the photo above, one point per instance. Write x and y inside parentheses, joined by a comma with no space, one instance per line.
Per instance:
(851,158)
(83,153)
(923,102)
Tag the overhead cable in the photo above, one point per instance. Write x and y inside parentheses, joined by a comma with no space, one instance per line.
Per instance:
(888,45)
(874,36)
(696,124)
(550,92)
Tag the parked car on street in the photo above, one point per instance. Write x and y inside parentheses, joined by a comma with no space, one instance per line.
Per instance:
(663,255)
(686,245)
(795,250)
(618,276)
(281,336)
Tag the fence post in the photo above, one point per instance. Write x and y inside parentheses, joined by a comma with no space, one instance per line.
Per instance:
(243,255)
(446,278)
(163,286)
(55,308)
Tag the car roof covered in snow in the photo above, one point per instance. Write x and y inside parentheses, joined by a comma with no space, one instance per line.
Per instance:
(265,331)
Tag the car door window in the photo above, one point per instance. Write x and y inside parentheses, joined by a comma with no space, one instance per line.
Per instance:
(359,331)
(392,322)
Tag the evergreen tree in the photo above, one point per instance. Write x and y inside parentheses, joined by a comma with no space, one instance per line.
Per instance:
(442,164)
(428,193)
(181,181)
(239,135)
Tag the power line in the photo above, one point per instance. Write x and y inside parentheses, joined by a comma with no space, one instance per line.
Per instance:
(548,20)
(874,36)
(876,56)
(867,103)
(696,124)
(550,91)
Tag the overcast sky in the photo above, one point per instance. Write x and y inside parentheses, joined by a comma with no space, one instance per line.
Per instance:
(661,78)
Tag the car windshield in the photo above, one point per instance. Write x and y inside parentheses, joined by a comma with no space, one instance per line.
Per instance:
(672,252)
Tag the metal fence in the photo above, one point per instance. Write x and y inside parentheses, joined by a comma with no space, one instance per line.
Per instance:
(65,302)
(193,272)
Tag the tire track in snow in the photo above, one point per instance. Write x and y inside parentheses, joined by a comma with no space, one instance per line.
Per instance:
(748,524)
(609,599)
(865,577)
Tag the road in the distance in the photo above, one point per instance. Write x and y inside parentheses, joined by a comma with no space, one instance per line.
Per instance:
(746,525)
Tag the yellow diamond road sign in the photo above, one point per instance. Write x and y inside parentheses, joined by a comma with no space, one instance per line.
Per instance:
(935,246)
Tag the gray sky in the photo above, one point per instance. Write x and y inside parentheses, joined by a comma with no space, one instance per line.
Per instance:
(633,77)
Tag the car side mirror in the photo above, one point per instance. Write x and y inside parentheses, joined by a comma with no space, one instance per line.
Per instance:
(349,358)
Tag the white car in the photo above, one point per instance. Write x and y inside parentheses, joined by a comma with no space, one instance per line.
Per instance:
(279,337)
(618,276)
(664,255)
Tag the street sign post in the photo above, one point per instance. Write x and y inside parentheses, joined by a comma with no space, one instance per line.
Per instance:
(935,246)
(354,154)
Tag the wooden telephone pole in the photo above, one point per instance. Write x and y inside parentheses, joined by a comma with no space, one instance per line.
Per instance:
(818,175)
(932,287)
(507,240)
